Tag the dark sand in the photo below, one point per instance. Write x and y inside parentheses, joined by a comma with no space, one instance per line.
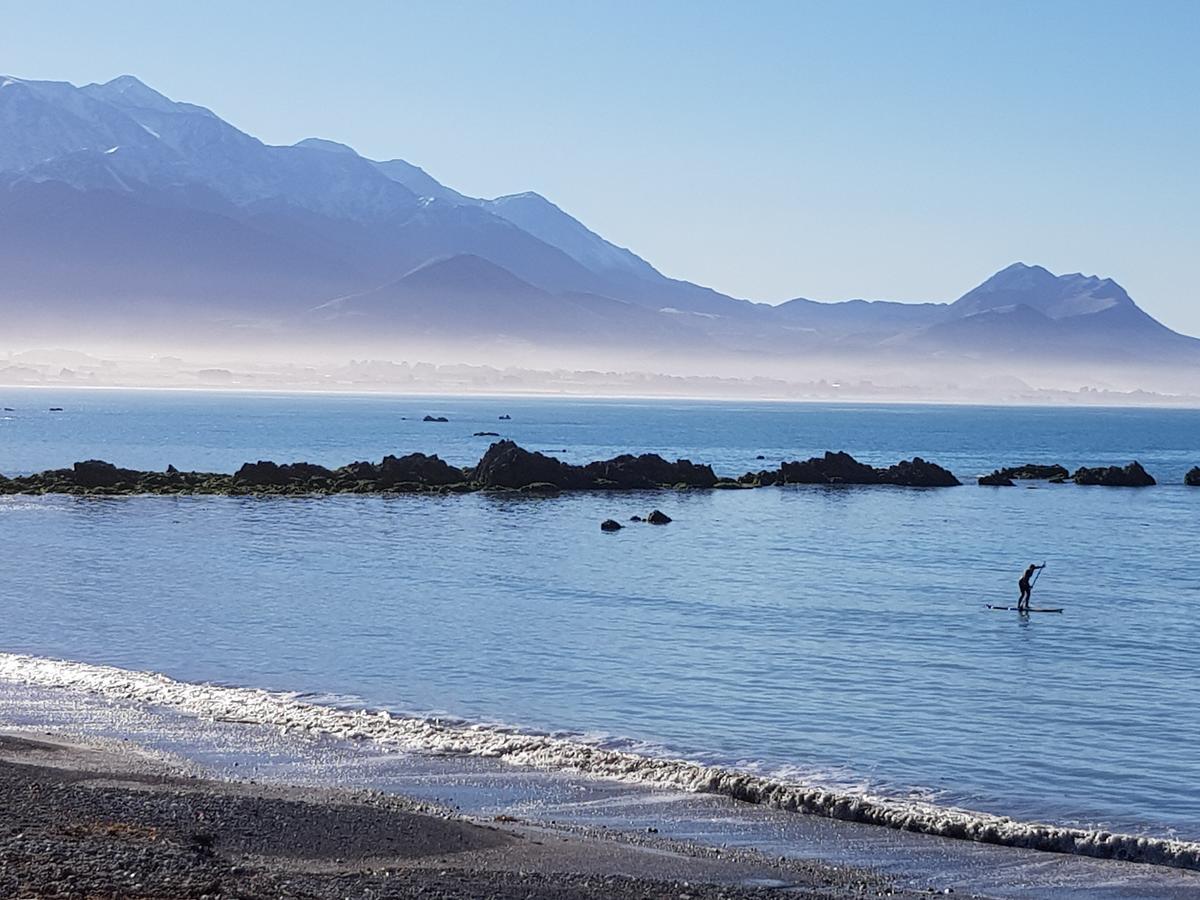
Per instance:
(87,822)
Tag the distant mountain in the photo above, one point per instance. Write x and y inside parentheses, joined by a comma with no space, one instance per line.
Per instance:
(467,297)
(124,212)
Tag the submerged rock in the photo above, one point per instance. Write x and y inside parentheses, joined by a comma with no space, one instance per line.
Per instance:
(658,517)
(611,525)
(435,419)
(1132,475)
(996,479)
(486,434)
(1192,478)
(1035,472)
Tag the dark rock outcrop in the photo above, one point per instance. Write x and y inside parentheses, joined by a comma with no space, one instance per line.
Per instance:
(1132,475)
(611,525)
(832,468)
(1035,472)
(917,472)
(95,473)
(648,471)
(486,434)
(435,419)
(417,468)
(1192,478)
(842,468)
(658,517)
(506,465)
(996,479)
(267,473)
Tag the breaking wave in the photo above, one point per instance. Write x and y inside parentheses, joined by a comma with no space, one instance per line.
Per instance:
(410,733)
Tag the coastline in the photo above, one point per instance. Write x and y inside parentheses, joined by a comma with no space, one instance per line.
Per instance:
(485,768)
(90,820)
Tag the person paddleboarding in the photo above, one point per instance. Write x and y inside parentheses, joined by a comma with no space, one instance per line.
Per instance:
(1026,586)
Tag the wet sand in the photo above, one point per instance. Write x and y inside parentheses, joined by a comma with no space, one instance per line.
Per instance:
(80,820)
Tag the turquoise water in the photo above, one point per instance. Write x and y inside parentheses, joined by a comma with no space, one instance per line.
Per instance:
(834,635)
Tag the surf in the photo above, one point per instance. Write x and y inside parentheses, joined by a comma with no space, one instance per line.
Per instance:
(289,712)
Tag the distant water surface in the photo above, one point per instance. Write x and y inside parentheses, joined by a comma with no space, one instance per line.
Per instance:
(835,635)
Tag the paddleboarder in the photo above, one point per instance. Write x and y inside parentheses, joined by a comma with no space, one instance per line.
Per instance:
(1026,586)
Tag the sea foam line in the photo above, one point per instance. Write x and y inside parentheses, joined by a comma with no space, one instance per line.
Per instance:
(412,733)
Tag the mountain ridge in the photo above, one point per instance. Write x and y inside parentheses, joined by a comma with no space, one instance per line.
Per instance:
(116,194)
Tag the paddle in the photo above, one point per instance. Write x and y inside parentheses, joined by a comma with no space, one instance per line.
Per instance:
(1036,575)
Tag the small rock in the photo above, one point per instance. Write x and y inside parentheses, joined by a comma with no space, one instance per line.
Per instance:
(658,517)
(611,525)
(996,479)
(435,419)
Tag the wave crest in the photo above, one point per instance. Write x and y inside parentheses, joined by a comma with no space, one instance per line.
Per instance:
(290,711)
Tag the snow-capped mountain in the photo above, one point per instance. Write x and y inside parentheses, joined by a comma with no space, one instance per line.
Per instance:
(121,208)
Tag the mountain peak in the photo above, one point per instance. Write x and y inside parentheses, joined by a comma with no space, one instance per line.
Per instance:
(1056,296)
(315,143)
(129,92)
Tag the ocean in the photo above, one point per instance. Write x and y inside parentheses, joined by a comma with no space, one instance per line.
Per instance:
(834,638)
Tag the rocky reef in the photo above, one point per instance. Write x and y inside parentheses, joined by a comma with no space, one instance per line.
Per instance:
(505,466)
(1132,475)
(1192,478)
(842,468)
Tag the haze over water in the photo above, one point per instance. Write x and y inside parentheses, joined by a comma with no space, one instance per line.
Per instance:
(830,634)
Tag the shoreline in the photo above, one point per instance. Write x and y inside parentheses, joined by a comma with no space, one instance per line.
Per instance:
(87,820)
(388,733)
(1183,402)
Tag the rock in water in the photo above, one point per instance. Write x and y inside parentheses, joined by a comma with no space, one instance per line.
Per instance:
(1192,478)
(1132,475)
(507,465)
(265,473)
(996,479)
(435,419)
(611,525)
(832,468)
(1035,472)
(658,517)
(417,468)
(98,473)
(648,471)
(918,472)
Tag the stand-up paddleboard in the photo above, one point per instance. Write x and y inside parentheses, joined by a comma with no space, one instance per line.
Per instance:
(1056,609)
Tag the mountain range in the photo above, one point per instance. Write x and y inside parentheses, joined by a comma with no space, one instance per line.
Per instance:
(126,214)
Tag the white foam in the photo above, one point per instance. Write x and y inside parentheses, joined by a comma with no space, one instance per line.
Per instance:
(289,712)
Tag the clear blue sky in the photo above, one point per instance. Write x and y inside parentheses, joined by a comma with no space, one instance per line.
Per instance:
(832,150)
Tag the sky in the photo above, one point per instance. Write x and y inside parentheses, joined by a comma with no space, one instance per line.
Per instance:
(771,150)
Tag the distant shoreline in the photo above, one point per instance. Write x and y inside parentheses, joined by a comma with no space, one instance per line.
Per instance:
(1159,401)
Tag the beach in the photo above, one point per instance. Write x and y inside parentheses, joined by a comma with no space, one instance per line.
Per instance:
(81,820)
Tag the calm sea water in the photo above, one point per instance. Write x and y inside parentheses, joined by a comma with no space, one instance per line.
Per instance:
(832,634)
